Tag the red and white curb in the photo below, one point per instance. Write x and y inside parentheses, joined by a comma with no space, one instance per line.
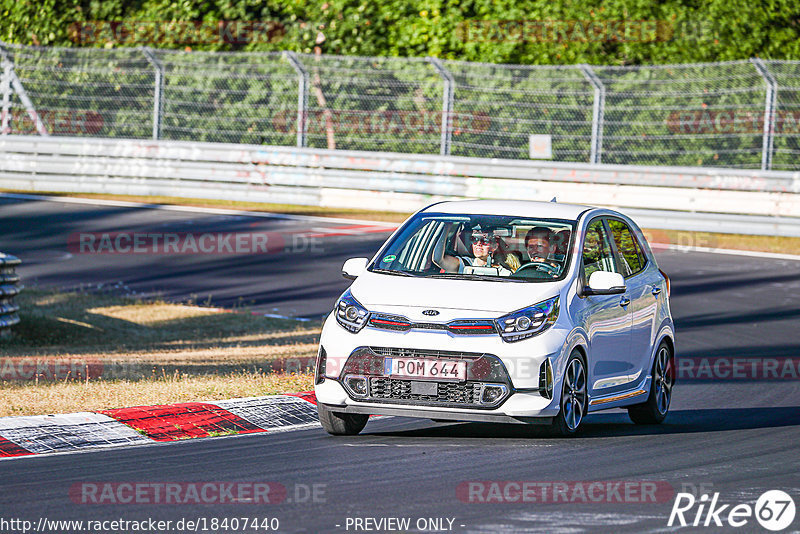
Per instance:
(42,434)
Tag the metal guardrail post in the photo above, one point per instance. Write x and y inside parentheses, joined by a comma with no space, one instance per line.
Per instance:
(11,76)
(598,112)
(9,288)
(5,87)
(770,104)
(158,95)
(447,105)
(302,98)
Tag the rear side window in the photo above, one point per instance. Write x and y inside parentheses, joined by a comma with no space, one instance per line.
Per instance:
(633,259)
(597,254)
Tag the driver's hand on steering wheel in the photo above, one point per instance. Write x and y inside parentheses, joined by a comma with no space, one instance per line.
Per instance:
(547,266)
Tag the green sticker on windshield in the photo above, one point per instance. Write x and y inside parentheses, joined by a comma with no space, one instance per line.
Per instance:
(390,258)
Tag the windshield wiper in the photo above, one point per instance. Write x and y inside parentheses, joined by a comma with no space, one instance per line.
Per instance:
(396,273)
(482,277)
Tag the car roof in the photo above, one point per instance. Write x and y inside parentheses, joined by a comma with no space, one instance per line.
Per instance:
(517,208)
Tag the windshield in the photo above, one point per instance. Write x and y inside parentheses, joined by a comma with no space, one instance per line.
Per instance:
(486,247)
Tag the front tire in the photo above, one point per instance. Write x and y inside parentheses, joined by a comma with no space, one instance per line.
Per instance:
(654,410)
(574,398)
(341,424)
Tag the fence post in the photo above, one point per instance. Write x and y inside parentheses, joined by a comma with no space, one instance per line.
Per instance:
(13,79)
(158,94)
(302,97)
(447,105)
(5,87)
(769,112)
(598,112)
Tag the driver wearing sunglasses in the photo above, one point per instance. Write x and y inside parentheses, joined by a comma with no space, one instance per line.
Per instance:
(483,245)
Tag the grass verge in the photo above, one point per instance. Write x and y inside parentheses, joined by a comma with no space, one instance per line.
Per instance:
(76,351)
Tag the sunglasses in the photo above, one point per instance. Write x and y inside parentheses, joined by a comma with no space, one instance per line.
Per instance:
(481,240)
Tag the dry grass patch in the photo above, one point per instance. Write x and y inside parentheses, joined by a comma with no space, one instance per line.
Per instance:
(110,327)
(93,395)
(87,351)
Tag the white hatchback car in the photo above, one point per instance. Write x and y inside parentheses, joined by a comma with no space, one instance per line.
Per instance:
(500,311)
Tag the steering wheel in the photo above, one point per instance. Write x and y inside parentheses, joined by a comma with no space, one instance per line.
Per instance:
(539,266)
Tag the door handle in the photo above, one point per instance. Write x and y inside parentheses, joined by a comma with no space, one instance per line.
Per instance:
(625,301)
(656,291)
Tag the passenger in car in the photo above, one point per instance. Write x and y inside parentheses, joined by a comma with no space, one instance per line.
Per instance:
(539,242)
(505,257)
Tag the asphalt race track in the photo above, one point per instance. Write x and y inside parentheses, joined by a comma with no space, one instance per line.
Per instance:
(732,433)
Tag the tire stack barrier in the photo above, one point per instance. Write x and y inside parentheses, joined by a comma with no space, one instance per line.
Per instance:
(9,288)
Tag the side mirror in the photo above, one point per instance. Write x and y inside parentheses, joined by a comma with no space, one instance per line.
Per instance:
(605,283)
(353,267)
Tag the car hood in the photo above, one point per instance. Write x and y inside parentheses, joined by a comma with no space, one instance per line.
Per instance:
(383,292)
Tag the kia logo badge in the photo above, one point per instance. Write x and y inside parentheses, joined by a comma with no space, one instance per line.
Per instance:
(430,312)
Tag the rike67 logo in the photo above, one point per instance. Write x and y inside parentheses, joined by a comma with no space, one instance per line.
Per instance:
(774,510)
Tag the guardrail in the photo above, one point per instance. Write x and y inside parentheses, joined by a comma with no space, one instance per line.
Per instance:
(9,288)
(703,199)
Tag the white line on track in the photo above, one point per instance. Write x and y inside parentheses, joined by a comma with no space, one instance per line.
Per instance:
(437,445)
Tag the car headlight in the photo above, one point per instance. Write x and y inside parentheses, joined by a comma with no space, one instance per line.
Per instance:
(528,322)
(350,313)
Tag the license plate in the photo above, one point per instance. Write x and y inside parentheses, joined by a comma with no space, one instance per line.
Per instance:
(418,368)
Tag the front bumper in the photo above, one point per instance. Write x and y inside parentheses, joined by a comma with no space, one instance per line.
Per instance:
(520,407)
(439,415)
(521,361)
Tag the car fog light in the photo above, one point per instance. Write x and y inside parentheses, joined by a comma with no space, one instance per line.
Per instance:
(491,394)
(357,385)
(322,358)
(546,379)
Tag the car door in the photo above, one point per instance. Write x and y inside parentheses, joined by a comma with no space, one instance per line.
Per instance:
(607,318)
(640,280)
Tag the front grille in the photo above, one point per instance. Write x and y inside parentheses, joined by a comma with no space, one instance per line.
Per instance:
(371,364)
(396,352)
(462,327)
(429,326)
(464,393)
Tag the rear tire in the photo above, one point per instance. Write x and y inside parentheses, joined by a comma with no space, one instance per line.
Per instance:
(655,409)
(574,398)
(341,424)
